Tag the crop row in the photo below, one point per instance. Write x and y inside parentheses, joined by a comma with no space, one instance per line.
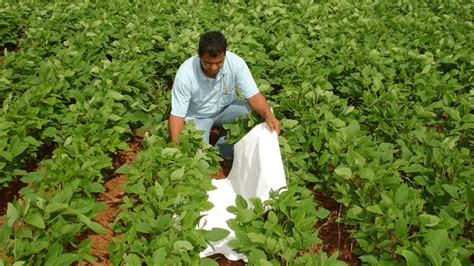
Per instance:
(62,93)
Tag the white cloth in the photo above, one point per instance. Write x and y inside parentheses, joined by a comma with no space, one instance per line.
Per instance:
(257,169)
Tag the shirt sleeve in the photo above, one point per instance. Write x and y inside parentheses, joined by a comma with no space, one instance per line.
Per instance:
(180,96)
(245,81)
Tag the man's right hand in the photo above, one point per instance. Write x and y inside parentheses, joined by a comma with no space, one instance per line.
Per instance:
(175,124)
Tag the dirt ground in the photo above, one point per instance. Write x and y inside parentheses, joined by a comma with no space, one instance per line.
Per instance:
(334,235)
(112,197)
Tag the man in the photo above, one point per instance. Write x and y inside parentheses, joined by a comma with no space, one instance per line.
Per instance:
(204,89)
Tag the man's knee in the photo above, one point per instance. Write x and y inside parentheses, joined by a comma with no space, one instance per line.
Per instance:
(204,124)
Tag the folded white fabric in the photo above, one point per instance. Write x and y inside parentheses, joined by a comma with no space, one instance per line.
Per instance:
(257,169)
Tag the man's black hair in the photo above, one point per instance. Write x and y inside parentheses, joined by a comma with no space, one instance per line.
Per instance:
(213,43)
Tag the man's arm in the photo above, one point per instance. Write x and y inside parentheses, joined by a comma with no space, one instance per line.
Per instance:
(175,124)
(260,105)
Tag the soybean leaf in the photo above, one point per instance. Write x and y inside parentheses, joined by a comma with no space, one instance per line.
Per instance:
(12,214)
(35,219)
(410,257)
(216,234)
(182,245)
(344,172)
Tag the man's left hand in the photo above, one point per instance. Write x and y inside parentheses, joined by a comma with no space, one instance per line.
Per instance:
(273,124)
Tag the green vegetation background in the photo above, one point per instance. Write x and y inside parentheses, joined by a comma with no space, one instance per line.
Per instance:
(375,99)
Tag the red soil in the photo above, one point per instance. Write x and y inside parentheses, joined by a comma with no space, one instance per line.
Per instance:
(8,193)
(112,197)
(334,235)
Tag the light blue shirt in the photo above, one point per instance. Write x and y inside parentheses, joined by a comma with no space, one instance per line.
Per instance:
(195,95)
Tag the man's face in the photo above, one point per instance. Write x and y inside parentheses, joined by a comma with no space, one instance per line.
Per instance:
(211,65)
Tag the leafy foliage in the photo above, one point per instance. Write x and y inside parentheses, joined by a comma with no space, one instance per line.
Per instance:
(375,100)
(165,200)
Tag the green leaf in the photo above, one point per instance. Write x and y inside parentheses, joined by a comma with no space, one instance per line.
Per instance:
(338,123)
(36,247)
(12,214)
(216,234)
(257,238)
(344,172)
(208,262)
(416,168)
(257,206)
(170,152)
(4,125)
(428,220)
(182,245)
(143,227)
(137,188)
(322,213)
(35,219)
(114,117)
(372,260)
(289,253)
(32,177)
(49,132)
(272,217)
(54,207)
(115,95)
(455,262)
(90,224)
(177,174)
(453,114)
(375,209)
(63,196)
(410,257)
(159,256)
(235,243)
(17,146)
(245,215)
(162,221)
(469,194)
(264,262)
(94,187)
(240,202)
(434,256)
(452,190)
(438,240)
(97,228)
(255,256)
(288,123)
(17,263)
(119,129)
(132,260)
(401,195)
(401,228)
(63,259)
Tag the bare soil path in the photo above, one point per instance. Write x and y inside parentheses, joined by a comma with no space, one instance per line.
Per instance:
(334,235)
(112,197)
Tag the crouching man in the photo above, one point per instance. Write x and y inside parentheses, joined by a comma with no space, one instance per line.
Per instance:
(204,90)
